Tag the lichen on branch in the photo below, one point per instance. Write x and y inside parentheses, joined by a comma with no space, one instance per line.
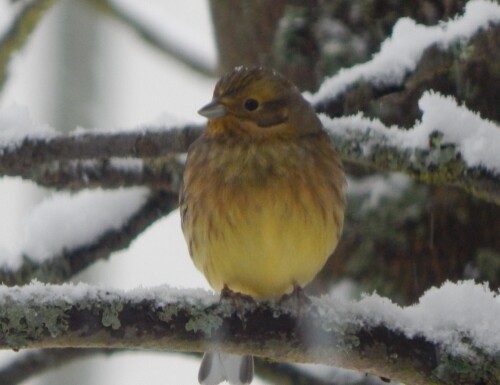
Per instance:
(39,316)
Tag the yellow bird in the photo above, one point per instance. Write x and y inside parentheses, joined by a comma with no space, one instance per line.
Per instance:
(263,198)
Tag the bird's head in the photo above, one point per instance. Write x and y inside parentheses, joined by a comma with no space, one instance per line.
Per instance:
(259,102)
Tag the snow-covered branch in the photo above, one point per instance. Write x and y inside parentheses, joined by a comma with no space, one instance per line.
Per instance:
(451,145)
(19,31)
(91,158)
(19,154)
(451,328)
(427,152)
(163,173)
(386,92)
(66,235)
(454,148)
(401,54)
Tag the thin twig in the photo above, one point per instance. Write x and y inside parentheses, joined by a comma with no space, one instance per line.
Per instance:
(19,31)
(167,46)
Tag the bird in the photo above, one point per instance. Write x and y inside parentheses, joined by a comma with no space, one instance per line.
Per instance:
(263,197)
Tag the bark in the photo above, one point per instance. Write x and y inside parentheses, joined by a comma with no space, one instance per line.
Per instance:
(95,145)
(464,70)
(163,173)
(52,162)
(190,322)
(264,29)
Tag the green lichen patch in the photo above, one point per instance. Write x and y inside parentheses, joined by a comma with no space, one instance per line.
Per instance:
(110,315)
(21,324)
(205,323)
(167,313)
(476,369)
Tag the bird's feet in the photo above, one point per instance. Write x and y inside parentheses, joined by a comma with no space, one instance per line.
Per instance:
(238,300)
(297,299)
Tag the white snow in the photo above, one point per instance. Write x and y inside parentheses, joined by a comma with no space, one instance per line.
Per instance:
(448,316)
(127,164)
(476,138)
(72,293)
(44,293)
(16,125)
(401,53)
(66,221)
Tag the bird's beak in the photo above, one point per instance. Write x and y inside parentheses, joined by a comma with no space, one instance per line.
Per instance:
(213,110)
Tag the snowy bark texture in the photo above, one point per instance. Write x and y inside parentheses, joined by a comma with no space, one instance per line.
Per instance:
(107,319)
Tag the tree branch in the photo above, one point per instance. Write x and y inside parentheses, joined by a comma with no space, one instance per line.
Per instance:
(163,173)
(33,363)
(283,373)
(165,45)
(450,71)
(50,316)
(19,31)
(440,163)
(60,268)
(36,362)
(57,162)
(18,159)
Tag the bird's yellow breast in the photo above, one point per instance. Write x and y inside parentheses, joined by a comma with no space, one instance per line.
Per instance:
(261,220)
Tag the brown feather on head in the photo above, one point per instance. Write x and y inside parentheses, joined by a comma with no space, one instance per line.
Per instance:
(242,77)
(262,98)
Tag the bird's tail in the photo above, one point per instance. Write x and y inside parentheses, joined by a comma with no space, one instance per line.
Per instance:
(217,367)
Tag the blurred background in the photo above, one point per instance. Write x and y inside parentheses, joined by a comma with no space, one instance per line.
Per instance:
(125,64)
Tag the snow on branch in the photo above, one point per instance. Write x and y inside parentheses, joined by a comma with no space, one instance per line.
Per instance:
(25,144)
(451,145)
(455,147)
(451,336)
(66,234)
(91,158)
(400,54)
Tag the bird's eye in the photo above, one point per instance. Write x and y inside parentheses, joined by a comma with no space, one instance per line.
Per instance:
(251,104)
